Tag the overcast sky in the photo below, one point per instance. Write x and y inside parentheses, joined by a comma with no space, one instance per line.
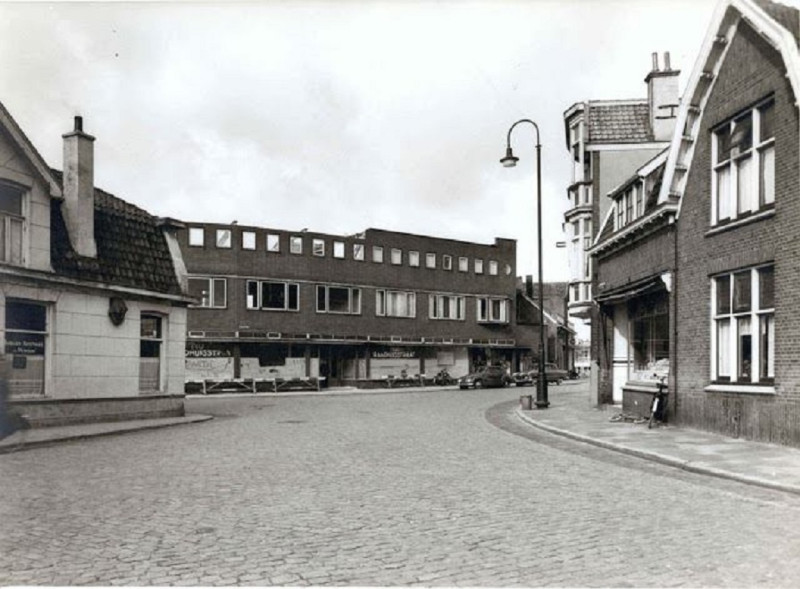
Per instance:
(336,116)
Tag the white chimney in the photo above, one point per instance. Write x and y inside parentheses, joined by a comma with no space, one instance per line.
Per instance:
(78,181)
(663,99)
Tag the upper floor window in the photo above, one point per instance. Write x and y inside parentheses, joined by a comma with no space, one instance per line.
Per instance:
(413,259)
(272,296)
(196,236)
(743,155)
(447,262)
(338,299)
(210,292)
(358,252)
(478,266)
(11,224)
(273,242)
(223,238)
(397,256)
(630,205)
(492,310)
(391,303)
(318,247)
(430,260)
(493,267)
(744,326)
(446,307)
(463,264)
(377,254)
(338,249)
(248,240)
(295,244)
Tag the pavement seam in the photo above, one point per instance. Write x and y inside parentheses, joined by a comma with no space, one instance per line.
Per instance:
(686,465)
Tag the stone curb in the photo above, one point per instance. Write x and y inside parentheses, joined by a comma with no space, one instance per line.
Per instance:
(664,459)
(104,429)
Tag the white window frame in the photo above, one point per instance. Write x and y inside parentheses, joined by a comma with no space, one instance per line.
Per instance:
(413,259)
(492,309)
(295,244)
(255,304)
(430,260)
(9,220)
(387,303)
(338,250)
(492,267)
(726,349)
(248,240)
(213,286)
(224,239)
(273,242)
(396,256)
(447,262)
(456,305)
(159,338)
(761,151)
(358,252)
(323,299)
(377,254)
(318,247)
(478,266)
(463,264)
(197,236)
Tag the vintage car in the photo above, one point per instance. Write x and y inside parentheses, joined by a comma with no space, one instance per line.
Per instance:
(489,376)
(553,373)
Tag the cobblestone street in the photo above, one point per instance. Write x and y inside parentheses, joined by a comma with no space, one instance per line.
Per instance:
(431,488)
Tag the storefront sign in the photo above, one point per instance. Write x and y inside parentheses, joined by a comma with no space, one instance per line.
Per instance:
(395,353)
(199,350)
(25,344)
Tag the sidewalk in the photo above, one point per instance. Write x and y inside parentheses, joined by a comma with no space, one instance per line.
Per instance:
(570,414)
(46,436)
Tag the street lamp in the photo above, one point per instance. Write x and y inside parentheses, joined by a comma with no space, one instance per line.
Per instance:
(509,161)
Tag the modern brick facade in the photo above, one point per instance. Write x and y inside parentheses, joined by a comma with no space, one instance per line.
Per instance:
(426,304)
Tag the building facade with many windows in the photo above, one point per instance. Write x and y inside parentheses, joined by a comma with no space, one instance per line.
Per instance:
(359,309)
(92,308)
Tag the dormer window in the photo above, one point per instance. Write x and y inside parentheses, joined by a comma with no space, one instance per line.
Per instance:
(12,224)
(630,205)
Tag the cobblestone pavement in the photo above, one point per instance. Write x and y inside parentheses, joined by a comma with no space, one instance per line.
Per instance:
(435,488)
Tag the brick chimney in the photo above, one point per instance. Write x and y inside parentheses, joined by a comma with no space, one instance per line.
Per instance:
(663,99)
(78,181)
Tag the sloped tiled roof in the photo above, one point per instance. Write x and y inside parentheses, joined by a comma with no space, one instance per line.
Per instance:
(131,248)
(619,123)
(786,15)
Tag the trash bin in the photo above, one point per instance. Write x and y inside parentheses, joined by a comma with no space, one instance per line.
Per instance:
(526,402)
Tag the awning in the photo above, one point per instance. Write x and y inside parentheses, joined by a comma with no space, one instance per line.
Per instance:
(622,294)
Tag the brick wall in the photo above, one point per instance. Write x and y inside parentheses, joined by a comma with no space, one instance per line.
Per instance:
(752,71)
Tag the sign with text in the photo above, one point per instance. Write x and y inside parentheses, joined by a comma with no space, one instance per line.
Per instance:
(25,344)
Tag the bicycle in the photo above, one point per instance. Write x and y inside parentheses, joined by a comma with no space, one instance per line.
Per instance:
(658,407)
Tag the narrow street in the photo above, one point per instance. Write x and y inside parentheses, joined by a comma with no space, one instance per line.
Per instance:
(431,488)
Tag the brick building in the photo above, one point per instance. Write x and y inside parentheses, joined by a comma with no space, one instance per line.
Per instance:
(92,309)
(700,285)
(282,305)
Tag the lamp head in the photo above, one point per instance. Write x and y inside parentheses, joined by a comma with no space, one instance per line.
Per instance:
(509,161)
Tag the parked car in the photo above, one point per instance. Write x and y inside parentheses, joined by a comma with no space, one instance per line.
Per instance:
(553,373)
(489,376)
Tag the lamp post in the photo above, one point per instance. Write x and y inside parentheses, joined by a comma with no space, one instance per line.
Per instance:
(509,161)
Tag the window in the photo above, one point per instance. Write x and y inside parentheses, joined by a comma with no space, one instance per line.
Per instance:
(413,259)
(377,254)
(430,260)
(493,267)
(248,240)
(358,252)
(26,335)
(273,242)
(649,348)
(295,244)
(272,296)
(397,256)
(446,307)
(743,152)
(744,326)
(150,349)
(223,238)
(492,310)
(318,247)
(390,303)
(338,249)
(211,292)
(447,262)
(196,236)
(11,224)
(463,264)
(478,266)
(338,299)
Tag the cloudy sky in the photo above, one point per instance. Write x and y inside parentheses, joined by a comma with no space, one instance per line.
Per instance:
(337,115)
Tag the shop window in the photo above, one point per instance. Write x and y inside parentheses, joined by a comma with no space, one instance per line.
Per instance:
(318,247)
(25,345)
(273,242)
(151,343)
(12,224)
(338,299)
(389,303)
(396,256)
(211,292)
(413,259)
(446,307)
(650,338)
(223,238)
(338,249)
(492,310)
(248,240)
(358,252)
(743,337)
(272,296)
(295,244)
(197,236)
(743,155)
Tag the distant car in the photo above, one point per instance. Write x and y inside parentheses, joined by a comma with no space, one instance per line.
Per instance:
(553,373)
(490,376)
